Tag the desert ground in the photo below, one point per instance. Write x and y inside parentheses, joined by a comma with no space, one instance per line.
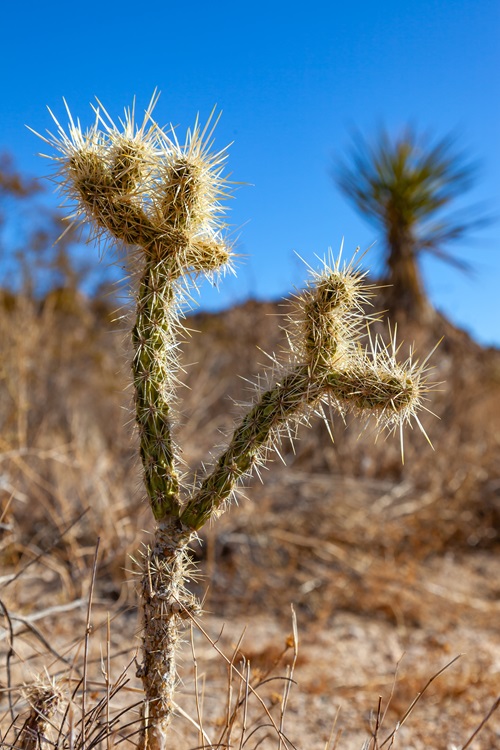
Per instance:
(349,600)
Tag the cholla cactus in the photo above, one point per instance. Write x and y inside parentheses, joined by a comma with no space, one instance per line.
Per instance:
(44,697)
(137,186)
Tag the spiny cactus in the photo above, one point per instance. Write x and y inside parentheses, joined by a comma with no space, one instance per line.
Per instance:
(44,697)
(139,187)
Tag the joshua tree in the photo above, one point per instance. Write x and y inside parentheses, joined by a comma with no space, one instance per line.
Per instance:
(160,200)
(403,187)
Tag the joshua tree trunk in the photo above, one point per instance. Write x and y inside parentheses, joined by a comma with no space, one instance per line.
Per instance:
(405,293)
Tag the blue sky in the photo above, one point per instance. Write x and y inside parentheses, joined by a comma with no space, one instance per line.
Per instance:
(292,81)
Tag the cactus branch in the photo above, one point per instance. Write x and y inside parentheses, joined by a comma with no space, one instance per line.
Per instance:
(139,187)
(155,357)
(276,407)
(334,368)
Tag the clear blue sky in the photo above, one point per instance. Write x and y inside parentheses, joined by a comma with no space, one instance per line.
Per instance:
(292,80)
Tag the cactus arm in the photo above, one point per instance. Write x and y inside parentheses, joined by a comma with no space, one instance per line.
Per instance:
(359,389)
(334,368)
(155,356)
(249,441)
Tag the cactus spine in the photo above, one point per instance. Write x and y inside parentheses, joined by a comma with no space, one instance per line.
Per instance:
(140,187)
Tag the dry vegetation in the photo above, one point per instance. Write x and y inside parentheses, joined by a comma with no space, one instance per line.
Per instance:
(391,569)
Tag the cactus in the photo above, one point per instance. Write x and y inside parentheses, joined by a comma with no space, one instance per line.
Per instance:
(44,697)
(139,187)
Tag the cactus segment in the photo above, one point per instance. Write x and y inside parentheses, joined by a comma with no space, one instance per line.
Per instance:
(155,357)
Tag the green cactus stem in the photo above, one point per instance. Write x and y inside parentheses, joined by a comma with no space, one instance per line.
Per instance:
(139,188)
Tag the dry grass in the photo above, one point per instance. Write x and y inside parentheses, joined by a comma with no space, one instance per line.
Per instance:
(378,559)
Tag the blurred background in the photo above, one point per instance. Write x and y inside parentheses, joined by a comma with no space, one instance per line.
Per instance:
(294,84)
